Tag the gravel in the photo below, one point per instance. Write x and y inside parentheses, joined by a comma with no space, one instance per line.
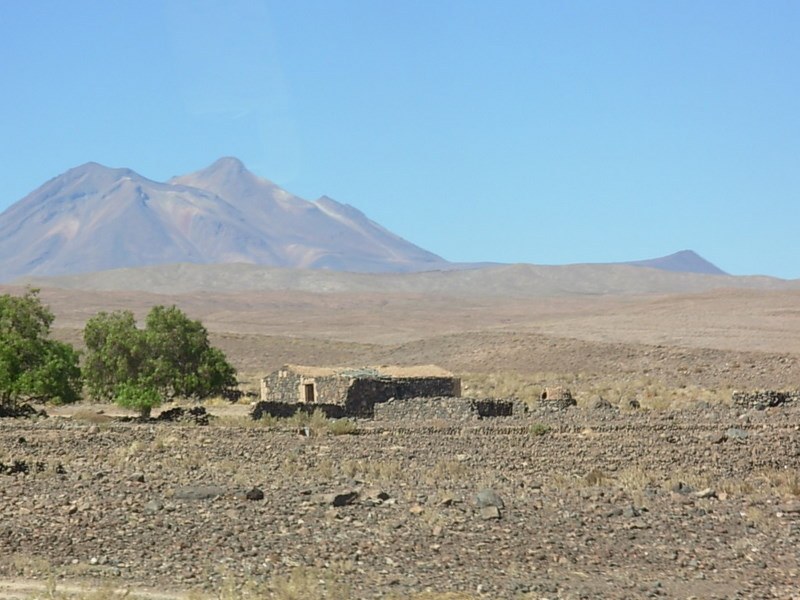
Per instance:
(607,504)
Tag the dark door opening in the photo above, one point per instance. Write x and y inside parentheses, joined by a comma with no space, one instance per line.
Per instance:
(309,392)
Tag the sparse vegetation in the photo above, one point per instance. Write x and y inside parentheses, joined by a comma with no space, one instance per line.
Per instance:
(343,427)
(539,429)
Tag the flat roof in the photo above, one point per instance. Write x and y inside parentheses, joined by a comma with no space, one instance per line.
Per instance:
(370,372)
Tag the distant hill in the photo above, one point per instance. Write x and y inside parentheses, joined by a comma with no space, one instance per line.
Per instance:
(685,261)
(93,218)
(509,280)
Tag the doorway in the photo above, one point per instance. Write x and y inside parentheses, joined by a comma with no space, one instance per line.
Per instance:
(308,393)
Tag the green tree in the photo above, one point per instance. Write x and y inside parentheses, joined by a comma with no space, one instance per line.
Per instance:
(184,362)
(117,353)
(33,366)
(170,357)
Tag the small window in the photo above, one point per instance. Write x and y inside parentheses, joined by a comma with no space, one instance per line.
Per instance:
(309,393)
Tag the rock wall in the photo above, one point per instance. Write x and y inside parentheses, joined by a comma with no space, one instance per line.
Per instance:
(445,408)
(762,399)
(364,394)
(283,410)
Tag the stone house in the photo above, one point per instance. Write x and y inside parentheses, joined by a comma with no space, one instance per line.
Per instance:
(355,391)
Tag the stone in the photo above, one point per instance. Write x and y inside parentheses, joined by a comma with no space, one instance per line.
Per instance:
(682,488)
(489,512)
(152,507)
(706,493)
(255,494)
(630,511)
(375,494)
(198,492)
(736,434)
(600,403)
(488,497)
(790,507)
(340,498)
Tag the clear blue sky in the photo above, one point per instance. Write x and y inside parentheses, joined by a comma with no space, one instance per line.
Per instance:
(547,132)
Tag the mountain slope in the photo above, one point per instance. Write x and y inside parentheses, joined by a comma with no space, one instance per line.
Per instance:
(94,218)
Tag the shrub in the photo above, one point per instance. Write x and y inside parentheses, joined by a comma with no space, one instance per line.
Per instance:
(139,397)
(342,427)
(540,429)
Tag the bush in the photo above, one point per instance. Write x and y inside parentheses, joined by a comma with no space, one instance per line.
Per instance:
(32,366)
(540,429)
(342,427)
(138,397)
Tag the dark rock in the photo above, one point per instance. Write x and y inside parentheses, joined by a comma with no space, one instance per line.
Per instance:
(600,403)
(341,498)
(255,494)
(196,415)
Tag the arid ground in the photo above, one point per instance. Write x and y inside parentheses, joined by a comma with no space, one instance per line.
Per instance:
(686,496)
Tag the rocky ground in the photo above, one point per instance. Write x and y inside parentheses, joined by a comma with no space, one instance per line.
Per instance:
(585,503)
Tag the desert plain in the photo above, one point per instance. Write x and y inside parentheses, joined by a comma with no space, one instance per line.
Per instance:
(679,494)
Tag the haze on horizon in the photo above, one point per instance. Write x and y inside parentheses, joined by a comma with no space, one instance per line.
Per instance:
(510,132)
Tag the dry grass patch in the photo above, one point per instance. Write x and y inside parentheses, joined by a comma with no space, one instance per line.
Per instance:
(651,393)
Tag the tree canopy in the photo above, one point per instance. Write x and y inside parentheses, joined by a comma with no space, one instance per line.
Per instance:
(33,366)
(170,357)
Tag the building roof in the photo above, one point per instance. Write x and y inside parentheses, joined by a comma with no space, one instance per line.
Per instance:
(370,372)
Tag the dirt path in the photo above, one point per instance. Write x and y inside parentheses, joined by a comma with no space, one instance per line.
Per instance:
(29,589)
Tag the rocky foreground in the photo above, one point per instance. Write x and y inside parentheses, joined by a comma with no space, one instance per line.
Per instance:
(584,503)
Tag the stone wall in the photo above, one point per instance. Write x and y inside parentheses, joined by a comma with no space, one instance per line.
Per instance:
(287,386)
(364,394)
(283,410)
(445,408)
(762,399)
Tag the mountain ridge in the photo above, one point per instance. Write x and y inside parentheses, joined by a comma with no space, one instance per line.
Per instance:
(95,218)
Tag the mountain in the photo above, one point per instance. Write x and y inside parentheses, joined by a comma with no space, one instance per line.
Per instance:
(95,218)
(685,261)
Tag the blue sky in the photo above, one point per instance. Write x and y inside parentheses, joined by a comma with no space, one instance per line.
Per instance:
(548,132)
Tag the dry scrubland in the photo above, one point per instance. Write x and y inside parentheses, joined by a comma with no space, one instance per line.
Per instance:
(674,500)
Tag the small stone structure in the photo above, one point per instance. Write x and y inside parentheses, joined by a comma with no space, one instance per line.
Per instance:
(447,409)
(557,398)
(354,391)
(762,399)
